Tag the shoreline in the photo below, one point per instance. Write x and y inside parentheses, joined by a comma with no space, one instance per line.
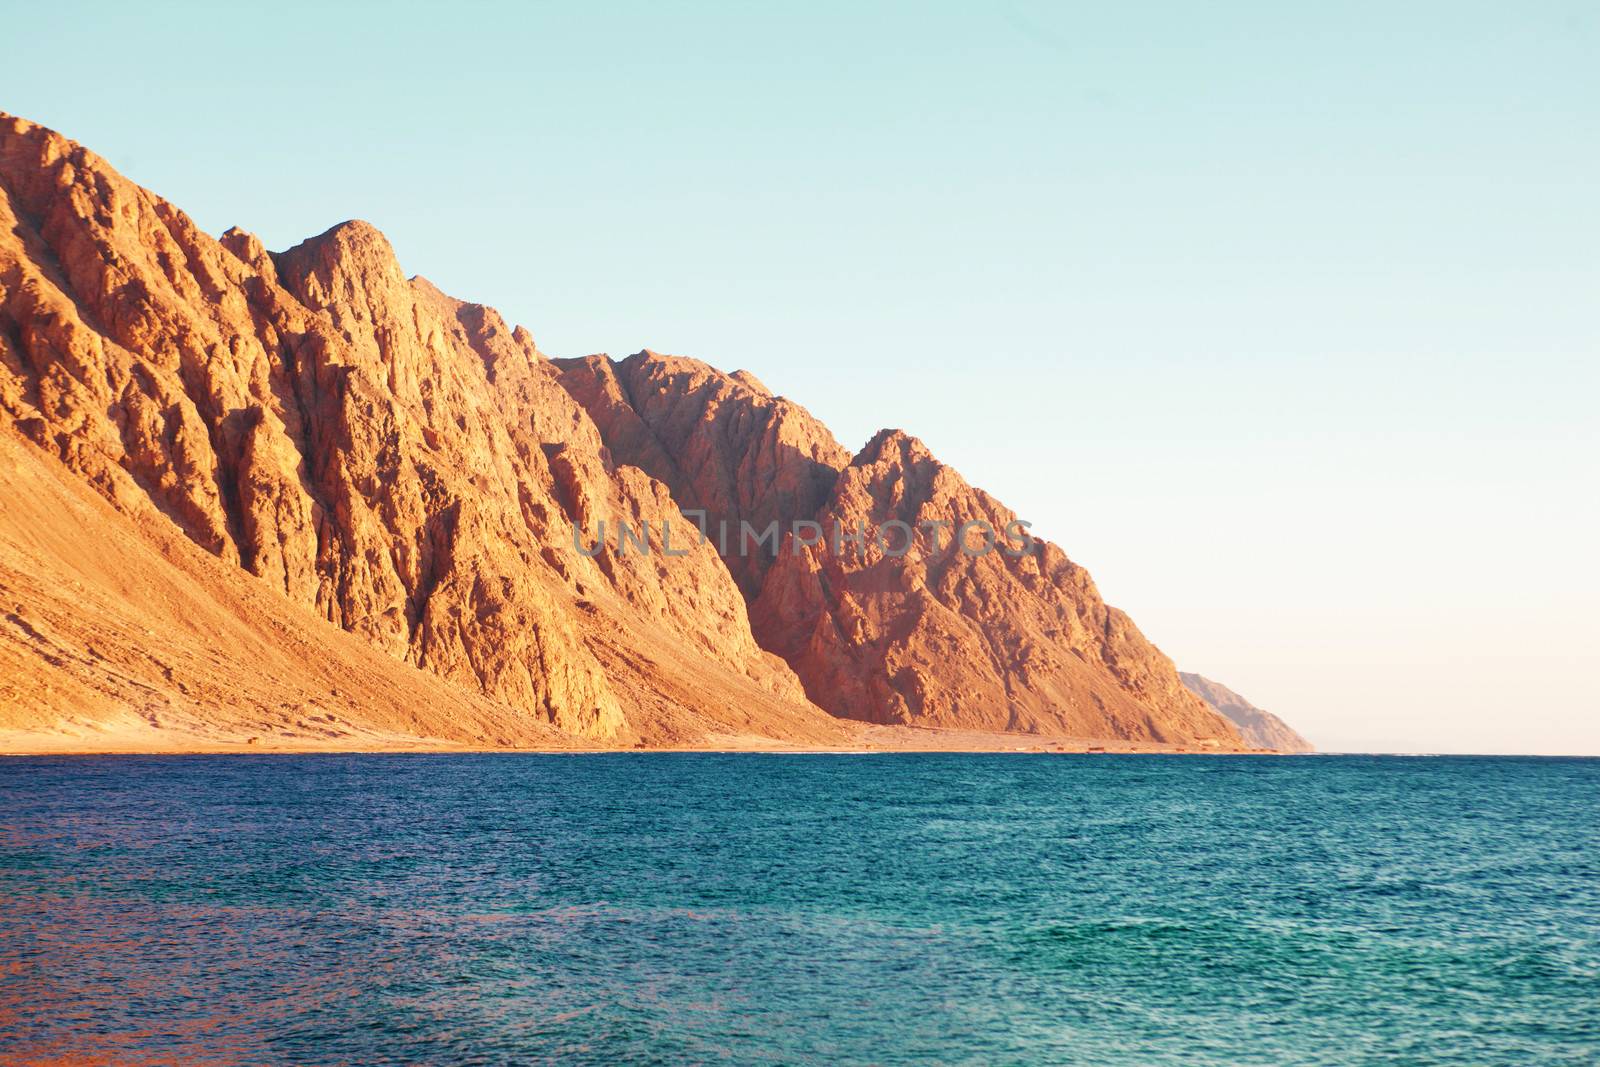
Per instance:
(871,740)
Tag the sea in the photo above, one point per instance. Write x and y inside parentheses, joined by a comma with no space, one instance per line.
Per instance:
(815,909)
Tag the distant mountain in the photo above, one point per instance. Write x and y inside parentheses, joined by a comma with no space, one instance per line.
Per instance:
(1259,728)
(359,452)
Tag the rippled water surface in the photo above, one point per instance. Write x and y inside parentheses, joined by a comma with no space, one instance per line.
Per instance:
(828,909)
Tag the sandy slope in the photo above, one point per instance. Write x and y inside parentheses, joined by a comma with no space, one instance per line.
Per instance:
(119,633)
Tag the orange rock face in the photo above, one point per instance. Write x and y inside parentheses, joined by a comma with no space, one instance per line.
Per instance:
(400,462)
(931,638)
(721,442)
(987,633)
(364,450)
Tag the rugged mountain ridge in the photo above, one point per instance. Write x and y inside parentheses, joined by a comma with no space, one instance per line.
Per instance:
(401,463)
(1258,727)
(722,443)
(408,468)
(957,633)
(934,637)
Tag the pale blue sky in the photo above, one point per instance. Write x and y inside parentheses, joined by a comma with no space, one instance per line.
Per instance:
(1281,318)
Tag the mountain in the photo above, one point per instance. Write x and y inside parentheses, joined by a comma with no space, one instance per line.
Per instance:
(269,488)
(1259,728)
(935,637)
(398,463)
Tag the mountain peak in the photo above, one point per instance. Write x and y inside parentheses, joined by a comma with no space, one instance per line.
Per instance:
(894,446)
(751,382)
(340,261)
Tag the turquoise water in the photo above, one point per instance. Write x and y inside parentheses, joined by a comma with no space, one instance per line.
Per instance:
(821,909)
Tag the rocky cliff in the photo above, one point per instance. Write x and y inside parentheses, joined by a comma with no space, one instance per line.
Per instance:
(931,637)
(959,631)
(392,472)
(723,444)
(402,464)
(1259,728)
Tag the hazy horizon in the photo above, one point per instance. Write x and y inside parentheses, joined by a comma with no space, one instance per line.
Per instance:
(1280,323)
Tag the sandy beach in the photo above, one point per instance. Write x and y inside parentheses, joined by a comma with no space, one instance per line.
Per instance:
(132,735)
